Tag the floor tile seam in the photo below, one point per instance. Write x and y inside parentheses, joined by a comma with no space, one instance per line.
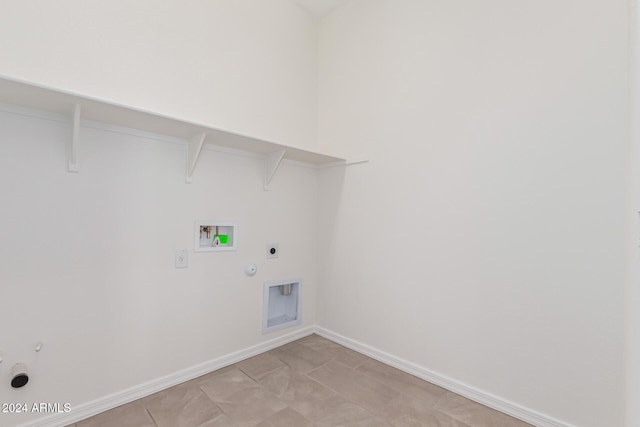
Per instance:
(399,394)
(215,418)
(223,401)
(153,420)
(433,406)
(440,400)
(451,416)
(373,414)
(348,400)
(339,362)
(255,380)
(293,355)
(302,348)
(394,401)
(352,369)
(322,385)
(375,379)
(404,393)
(401,416)
(195,397)
(294,410)
(222,411)
(201,391)
(286,364)
(210,400)
(317,367)
(361,363)
(464,424)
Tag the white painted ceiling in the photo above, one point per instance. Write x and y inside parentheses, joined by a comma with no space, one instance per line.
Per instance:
(319,8)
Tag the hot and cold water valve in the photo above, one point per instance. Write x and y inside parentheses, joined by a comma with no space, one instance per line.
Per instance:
(213,236)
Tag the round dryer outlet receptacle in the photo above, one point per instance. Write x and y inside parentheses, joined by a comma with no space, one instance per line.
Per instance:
(273,250)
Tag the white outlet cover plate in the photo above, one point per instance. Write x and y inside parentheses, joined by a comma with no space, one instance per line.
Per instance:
(182,258)
(274,246)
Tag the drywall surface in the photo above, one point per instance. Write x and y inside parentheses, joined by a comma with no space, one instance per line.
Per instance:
(633,279)
(87,260)
(485,240)
(241,65)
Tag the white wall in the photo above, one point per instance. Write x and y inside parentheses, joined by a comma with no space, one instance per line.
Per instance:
(485,240)
(633,278)
(244,65)
(87,260)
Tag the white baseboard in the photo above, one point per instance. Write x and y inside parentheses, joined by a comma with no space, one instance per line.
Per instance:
(517,411)
(109,402)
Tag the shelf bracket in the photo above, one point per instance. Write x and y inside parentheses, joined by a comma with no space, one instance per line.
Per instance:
(272,162)
(194,147)
(74,165)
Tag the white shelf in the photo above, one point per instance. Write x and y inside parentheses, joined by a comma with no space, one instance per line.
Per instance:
(85,107)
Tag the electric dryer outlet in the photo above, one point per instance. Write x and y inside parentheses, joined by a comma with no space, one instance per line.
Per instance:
(273,250)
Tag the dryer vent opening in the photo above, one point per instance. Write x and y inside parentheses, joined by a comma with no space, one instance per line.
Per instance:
(19,376)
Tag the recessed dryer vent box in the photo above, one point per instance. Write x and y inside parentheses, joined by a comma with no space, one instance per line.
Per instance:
(281,307)
(212,236)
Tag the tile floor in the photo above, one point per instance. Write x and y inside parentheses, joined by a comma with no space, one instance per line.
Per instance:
(309,382)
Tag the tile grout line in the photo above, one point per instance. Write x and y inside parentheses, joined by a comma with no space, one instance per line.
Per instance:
(433,407)
(347,399)
(453,417)
(214,403)
(151,416)
(261,375)
(374,373)
(306,375)
(401,394)
(344,397)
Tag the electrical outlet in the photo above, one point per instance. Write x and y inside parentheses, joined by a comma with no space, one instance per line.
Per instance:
(273,250)
(182,258)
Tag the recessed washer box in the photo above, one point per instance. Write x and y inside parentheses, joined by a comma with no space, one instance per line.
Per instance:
(281,305)
(213,236)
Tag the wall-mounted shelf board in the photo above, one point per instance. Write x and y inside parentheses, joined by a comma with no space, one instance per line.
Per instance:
(58,101)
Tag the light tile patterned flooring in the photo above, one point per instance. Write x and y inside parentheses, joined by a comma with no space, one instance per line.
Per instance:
(309,382)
